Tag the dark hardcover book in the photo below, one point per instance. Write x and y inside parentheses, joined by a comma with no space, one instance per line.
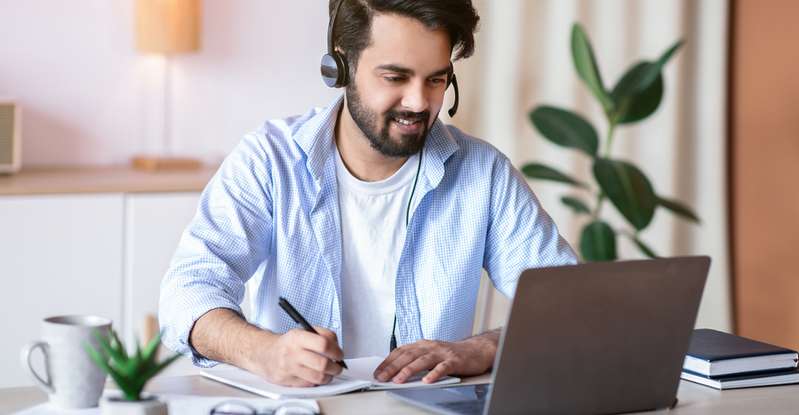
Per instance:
(749,380)
(714,353)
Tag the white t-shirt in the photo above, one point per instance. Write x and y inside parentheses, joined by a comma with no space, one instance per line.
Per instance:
(373,234)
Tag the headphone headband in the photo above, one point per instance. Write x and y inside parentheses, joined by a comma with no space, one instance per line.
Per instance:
(330,46)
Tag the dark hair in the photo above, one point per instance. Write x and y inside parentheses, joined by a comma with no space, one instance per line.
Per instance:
(353,28)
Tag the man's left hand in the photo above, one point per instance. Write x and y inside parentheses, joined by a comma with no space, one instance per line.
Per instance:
(472,356)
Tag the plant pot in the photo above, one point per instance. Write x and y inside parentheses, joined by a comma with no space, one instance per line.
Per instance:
(148,405)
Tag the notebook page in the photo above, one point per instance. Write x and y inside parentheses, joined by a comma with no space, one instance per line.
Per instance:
(363,368)
(249,382)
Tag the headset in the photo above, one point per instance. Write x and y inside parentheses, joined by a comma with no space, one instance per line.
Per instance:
(335,72)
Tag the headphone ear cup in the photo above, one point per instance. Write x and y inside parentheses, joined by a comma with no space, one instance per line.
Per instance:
(334,70)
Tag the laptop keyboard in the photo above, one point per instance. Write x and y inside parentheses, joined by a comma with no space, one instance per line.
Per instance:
(463,407)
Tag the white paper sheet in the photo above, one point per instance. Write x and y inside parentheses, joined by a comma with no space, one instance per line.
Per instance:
(357,377)
(364,368)
(249,382)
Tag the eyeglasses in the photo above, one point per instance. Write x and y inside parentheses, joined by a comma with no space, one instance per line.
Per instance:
(243,408)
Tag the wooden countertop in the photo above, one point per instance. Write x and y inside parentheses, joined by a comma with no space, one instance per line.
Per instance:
(694,399)
(102,179)
(356,403)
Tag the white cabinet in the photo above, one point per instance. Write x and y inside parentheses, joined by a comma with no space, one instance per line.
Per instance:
(58,255)
(154,223)
(102,254)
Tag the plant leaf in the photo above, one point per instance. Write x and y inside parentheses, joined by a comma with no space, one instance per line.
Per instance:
(632,107)
(122,381)
(639,91)
(119,345)
(587,68)
(151,348)
(565,128)
(106,343)
(644,78)
(577,205)
(160,366)
(132,366)
(150,353)
(120,361)
(678,208)
(542,172)
(644,248)
(97,357)
(666,56)
(598,242)
(127,385)
(138,356)
(130,373)
(629,190)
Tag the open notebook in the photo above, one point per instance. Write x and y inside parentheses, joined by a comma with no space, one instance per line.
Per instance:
(357,377)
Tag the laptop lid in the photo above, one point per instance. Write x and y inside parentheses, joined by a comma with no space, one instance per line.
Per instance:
(597,337)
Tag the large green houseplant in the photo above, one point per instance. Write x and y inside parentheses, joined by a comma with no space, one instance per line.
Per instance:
(635,97)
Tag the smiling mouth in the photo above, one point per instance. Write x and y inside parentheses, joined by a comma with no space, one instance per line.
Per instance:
(406,126)
(406,121)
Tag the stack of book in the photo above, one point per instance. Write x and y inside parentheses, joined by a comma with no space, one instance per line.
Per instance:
(725,361)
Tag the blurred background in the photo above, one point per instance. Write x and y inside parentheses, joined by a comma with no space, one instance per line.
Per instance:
(81,231)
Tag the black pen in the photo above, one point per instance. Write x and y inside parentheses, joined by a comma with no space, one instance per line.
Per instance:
(297,317)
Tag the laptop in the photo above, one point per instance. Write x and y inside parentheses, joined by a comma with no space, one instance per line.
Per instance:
(605,337)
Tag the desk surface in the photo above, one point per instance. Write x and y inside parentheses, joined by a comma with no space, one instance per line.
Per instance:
(694,399)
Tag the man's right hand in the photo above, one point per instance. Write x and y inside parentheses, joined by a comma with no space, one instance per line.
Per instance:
(298,358)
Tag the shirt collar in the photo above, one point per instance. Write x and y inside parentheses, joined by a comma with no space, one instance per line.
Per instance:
(315,138)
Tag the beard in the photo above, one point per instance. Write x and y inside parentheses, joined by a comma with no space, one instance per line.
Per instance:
(379,135)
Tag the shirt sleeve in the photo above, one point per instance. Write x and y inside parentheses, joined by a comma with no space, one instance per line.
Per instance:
(520,233)
(223,245)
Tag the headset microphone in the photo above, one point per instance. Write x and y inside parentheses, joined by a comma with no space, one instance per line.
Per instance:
(454,83)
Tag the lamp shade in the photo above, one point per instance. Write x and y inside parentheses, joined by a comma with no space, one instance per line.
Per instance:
(167,26)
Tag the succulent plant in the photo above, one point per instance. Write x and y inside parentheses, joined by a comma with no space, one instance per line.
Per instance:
(129,372)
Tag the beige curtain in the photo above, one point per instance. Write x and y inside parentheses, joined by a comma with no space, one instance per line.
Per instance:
(523,59)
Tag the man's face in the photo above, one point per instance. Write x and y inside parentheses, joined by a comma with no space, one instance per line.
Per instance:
(399,84)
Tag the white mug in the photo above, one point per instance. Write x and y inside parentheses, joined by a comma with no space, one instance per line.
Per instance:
(71,378)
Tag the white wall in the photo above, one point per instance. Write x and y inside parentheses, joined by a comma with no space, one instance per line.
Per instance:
(89,98)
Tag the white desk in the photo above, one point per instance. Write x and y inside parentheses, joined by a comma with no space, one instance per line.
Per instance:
(694,399)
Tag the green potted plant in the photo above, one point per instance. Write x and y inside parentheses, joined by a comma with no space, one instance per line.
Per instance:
(635,97)
(130,373)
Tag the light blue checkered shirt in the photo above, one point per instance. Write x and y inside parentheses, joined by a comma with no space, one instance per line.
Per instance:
(271,214)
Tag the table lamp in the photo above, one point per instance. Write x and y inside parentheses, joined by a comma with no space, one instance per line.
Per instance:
(167,27)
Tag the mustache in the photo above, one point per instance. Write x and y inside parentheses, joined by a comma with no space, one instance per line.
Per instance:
(408,115)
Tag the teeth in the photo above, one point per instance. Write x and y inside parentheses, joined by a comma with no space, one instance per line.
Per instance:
(404,121)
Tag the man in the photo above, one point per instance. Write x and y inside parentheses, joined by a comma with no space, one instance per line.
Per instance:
(372,217)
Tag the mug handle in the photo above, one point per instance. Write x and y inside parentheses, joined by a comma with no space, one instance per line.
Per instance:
(26,362)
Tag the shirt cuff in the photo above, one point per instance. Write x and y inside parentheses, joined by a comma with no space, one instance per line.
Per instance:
(177,327)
